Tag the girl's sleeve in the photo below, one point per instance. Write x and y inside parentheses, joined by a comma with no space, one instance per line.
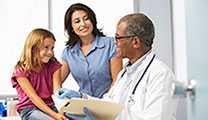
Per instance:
(55,65)
(17,73)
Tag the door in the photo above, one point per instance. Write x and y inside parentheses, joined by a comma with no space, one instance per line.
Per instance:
(197,57)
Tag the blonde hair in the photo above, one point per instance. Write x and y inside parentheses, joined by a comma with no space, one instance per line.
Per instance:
(29,59)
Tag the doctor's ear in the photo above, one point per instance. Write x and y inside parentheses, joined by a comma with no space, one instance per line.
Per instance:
(136,41)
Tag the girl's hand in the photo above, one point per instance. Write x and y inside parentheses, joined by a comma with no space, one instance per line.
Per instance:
(60,116)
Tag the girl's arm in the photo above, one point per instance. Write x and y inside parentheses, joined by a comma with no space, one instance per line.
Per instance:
(115,67)
(31,93)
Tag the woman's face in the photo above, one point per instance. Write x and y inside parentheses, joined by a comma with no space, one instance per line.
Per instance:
(46,51)
(81,23)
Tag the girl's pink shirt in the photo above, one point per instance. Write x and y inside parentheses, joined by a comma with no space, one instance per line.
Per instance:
(41,81)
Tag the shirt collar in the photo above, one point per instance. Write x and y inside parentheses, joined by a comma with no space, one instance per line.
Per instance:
(96,43)
(140,61)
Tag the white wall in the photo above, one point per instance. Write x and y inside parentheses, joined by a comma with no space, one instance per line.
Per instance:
(18,18)
(159,12)
(180,47)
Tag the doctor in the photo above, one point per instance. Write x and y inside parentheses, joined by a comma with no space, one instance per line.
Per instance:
(144,84)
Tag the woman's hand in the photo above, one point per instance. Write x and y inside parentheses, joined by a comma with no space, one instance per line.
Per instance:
(67,93)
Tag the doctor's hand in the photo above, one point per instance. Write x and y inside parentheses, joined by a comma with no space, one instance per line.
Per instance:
(88,115)
(67,93)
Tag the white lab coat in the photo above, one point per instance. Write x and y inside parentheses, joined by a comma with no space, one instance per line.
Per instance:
(153,96)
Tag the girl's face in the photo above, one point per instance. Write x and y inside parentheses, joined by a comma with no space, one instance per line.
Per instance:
(46,51)
(81,23)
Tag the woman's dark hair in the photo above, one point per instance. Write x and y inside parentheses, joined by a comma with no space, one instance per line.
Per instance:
(72,37)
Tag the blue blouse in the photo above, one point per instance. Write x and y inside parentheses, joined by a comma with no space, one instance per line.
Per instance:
(92,72)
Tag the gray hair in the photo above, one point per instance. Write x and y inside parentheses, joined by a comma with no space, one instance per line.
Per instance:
(140,25)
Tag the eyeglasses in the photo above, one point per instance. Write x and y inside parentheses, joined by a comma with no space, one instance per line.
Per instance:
(121,37)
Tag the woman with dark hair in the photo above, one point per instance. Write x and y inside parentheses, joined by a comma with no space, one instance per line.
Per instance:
(89,55)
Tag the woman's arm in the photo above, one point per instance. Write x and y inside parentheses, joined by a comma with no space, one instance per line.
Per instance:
(64,70)
(115,66)
(37,101)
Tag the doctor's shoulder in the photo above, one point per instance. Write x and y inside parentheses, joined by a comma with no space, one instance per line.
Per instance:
(159,69)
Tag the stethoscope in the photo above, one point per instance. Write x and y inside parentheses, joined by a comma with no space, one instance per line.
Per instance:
(131,97)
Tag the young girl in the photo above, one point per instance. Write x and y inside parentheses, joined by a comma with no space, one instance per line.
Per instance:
(36,76)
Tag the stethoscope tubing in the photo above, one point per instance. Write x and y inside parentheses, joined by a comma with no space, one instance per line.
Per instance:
(140,79)
(131,98)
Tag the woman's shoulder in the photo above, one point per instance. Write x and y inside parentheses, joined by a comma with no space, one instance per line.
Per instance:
(68,49)
(106,40)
